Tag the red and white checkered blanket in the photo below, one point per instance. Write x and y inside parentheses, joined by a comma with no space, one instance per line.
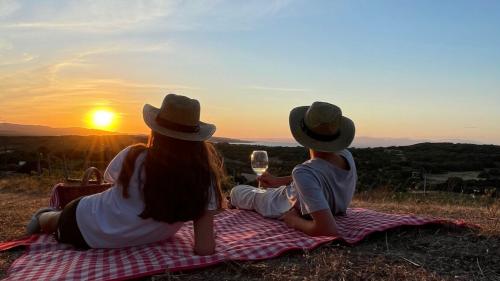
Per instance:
(241,235)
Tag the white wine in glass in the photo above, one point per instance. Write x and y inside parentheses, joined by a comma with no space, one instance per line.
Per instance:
(259,161)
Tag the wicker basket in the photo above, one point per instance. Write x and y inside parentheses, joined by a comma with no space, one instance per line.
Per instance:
(65,192)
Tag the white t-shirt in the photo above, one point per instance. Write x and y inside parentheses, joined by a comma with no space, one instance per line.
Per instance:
(108,220)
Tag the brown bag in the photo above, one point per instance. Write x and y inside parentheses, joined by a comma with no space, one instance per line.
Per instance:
(65,192)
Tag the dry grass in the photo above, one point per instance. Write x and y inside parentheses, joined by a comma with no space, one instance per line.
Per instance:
(481,210)
(429,253)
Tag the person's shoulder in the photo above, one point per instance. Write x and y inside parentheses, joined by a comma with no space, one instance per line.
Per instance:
(304,168)
(137,152)
(120,156)
(139,148)
(136,149)
(304,176)
(301,166)
(125,150)
(350,159)
(346,153)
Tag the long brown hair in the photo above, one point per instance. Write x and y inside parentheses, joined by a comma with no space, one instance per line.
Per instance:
(179,177)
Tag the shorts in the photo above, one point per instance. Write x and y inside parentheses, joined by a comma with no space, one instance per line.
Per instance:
(67,227)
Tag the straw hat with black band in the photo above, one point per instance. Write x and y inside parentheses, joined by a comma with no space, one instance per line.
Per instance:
(321,127)
(179,118)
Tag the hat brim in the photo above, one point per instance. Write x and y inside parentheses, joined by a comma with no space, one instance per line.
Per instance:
(345,138)
(149,114)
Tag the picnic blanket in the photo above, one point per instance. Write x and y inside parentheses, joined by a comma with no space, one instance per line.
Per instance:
(240,236)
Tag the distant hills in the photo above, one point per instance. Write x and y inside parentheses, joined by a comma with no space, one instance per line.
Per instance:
(363,142)
(10,129)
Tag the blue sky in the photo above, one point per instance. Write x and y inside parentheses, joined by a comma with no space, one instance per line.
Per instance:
(399,69)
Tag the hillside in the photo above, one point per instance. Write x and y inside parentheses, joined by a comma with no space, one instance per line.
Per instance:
(464,168)
(18,130)
(10,129)
(430,253)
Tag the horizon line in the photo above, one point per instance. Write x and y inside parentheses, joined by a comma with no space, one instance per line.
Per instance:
(409,141)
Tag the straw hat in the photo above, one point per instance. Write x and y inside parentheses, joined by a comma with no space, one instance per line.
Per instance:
(179,118)
(321,127)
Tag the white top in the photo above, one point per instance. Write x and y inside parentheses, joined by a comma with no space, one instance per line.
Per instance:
(108,220)
(319,185)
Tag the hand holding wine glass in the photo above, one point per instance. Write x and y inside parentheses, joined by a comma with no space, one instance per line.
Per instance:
(268,180)
(259,161)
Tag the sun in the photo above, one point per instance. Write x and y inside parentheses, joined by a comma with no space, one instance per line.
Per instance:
(102,119)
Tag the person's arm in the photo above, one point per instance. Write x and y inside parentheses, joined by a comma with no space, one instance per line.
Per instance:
(268,180)
(204,238)
(322,223)
(313,202)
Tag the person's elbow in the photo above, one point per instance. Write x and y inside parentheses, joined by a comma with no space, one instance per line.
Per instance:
(329,229)
(323,224)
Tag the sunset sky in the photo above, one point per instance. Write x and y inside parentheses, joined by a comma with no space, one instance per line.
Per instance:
(400,69)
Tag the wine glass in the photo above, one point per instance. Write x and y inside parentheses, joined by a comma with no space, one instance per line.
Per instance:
(260,162)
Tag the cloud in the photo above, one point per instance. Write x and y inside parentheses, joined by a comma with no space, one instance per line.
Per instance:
(90,15)
(117,15)
(10,56)
(75,74)
(79,86)
(58,56)
(16,59)
(32,93)
(82,59)
(47,84)
(8,7)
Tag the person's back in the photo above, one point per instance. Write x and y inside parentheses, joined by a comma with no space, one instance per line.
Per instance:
(111,220)
(337,184)
(175,178)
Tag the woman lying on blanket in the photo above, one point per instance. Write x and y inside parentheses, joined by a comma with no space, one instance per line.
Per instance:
(319,188)
(174,179)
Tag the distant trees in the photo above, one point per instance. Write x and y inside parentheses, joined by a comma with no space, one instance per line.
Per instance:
(43,152)
(455,184)
(391,167)
(446,157)
(494,172)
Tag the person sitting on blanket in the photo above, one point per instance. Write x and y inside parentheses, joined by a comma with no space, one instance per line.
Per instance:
(175,178)
(319,188)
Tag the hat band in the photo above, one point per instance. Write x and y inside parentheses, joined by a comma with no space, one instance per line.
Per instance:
(317,136)
(176,126)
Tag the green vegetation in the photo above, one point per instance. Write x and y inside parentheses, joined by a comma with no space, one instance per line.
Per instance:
(430,253)
(464,168)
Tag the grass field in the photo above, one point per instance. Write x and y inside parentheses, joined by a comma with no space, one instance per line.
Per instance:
(429,253)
